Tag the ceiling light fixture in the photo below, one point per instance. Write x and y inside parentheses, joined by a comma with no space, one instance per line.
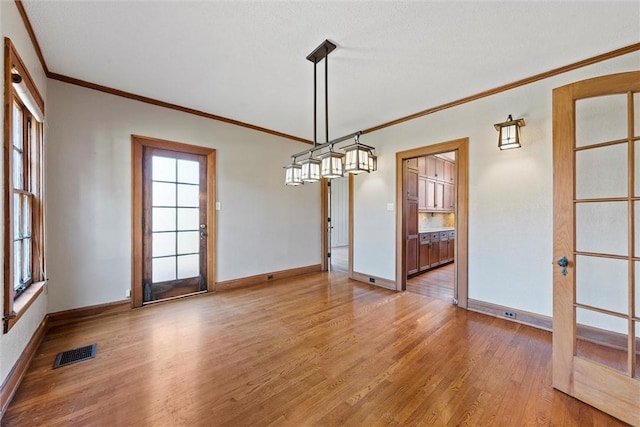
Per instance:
(329,164)
(509,133)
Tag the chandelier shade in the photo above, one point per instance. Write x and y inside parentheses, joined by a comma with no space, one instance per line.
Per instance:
(293,174)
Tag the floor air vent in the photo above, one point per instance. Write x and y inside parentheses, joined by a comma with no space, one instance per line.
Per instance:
(76,355)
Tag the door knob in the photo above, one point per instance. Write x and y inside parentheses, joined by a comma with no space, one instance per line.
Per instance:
(203,234)
(563,262)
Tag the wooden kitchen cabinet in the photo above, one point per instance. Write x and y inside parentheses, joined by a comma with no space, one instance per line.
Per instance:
(422,166)
(425,252)
(449,172)
(449,199)
(423,196)
(452,246)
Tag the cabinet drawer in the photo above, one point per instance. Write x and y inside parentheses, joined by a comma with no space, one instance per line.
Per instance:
(424,238)
(434,237)
(452,233)
(444,235)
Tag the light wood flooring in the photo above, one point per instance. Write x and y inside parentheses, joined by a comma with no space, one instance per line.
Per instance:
(437,283)
(314,350)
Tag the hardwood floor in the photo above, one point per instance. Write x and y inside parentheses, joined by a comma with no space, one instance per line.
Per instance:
(436,283)
(315,350)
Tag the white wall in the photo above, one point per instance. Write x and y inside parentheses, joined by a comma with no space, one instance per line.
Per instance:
(13,343)
(263,226)
(510,192)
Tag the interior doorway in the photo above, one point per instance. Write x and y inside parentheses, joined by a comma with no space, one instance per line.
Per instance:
(431,220)
(338,202)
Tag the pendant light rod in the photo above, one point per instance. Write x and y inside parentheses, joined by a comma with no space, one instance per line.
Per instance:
(326,94)
(327,144)
(315,104)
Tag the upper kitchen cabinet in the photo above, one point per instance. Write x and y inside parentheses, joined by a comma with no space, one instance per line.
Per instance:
(436,184)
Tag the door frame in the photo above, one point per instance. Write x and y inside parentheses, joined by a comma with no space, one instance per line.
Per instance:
(461,147)
(138,143)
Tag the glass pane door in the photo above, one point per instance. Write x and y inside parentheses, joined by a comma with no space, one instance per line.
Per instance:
(175,224)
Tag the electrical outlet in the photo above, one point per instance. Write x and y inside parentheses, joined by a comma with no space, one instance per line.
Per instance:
(510,314)
(372,280)
(270,276)
(127,293)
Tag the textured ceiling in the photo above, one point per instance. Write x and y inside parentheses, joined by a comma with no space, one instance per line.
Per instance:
(246,60)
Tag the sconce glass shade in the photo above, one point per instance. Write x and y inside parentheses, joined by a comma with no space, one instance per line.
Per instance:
(509,133)
(310,170)
(293,174)
(332,165)
(356,158)
(373,163)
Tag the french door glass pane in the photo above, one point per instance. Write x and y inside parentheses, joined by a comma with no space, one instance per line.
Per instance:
(188,218)
(188,242)
(636,167)
(601,119)
(594,325)
(164,244)
(637,349)
(636,211)
(163,169)
(602,172)
(164,219)
(163,269)
(188,266)
(637,293)
(163,194)
(602,227)
(188,195)
(636,113)
(188,172)
(603,283)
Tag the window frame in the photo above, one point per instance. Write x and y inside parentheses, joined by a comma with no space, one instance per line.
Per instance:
(16,302)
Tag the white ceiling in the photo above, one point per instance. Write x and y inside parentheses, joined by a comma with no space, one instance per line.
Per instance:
(247,60)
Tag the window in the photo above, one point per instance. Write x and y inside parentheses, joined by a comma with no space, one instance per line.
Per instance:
(24,214)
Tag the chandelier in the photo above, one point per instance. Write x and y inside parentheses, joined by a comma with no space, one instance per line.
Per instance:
(322,161)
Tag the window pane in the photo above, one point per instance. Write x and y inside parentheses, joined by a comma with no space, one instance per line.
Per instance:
(188,172)
(163,244)
(600,119)
(188,219)
(188,242)
(603,283)
(26,215)
(163,269)
(636,113)
(188,266)
(18,180)
(17,216)
(17,264)
(188,195)
(637,293)
(602,172)
(602,227)
(163,169)
(26,259)
(636,167)
(16,128)
(163,194)
(164,219)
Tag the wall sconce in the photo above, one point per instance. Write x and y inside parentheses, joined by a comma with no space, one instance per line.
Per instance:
(509,133)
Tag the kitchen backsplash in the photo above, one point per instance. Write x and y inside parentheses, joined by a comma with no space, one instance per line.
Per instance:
(434,220)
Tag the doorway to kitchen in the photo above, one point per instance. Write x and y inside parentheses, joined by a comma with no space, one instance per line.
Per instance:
(339,225)
(431,232)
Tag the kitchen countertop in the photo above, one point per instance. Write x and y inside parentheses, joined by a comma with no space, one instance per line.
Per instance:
(435,229)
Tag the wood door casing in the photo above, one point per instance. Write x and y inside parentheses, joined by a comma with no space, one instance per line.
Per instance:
(604,387)
(138,143)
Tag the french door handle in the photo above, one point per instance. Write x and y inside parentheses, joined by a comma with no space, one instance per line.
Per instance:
(203,234)
(564,263)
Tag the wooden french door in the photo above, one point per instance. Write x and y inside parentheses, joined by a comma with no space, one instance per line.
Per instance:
(173,220)
(596,309)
